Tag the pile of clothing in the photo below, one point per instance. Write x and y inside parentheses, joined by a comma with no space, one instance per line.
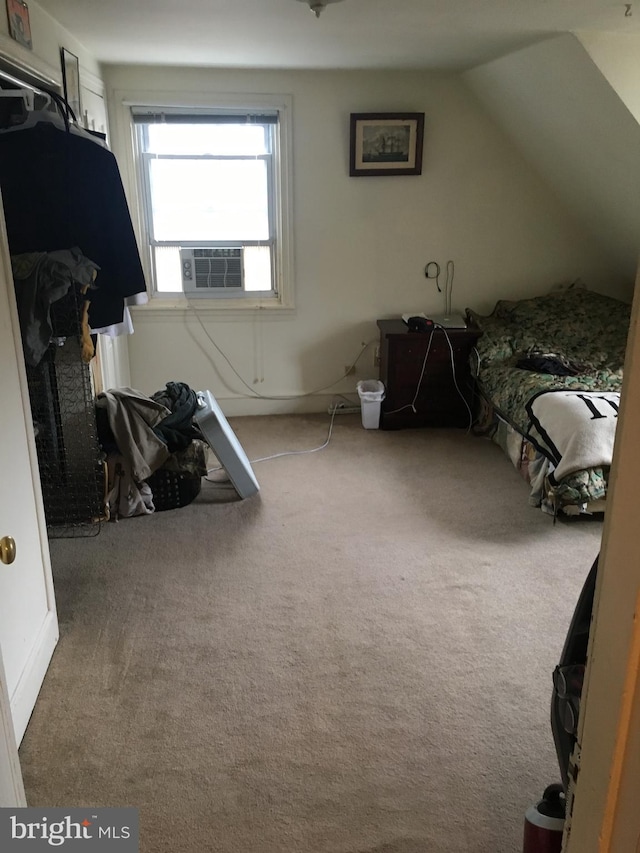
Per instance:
(150,442)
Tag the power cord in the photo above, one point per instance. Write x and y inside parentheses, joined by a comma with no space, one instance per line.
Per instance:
(455,379)
(259,396)
(284,452)
(477,354)
(412,404)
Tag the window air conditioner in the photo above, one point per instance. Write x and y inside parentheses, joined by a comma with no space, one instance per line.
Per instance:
(212,269)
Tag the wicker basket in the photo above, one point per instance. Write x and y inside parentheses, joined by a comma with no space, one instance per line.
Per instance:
(172,489)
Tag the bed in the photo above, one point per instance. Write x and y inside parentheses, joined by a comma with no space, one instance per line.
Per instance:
(549,375)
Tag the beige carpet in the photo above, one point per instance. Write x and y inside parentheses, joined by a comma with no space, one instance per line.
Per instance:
(356,661)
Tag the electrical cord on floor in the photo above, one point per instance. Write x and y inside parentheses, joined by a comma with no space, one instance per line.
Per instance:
(284,452)
(348,403)
(259,396)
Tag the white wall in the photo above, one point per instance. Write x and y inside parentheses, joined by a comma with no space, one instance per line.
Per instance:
(361,244)
(561,112)
(48,37)
(617,55)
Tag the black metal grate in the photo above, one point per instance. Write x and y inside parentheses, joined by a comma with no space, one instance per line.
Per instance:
(62,407)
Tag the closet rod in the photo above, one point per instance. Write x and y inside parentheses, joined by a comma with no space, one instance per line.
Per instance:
(31,70)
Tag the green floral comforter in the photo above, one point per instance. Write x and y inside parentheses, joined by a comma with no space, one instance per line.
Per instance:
(581,326)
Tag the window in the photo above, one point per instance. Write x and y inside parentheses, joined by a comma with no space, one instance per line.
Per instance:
(214,201)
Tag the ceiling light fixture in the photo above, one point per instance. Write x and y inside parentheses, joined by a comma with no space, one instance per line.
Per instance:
(317,6)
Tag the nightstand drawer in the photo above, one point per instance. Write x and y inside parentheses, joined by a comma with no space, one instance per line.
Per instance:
(408,371)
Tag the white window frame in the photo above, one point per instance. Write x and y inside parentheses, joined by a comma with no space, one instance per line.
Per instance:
(282,296)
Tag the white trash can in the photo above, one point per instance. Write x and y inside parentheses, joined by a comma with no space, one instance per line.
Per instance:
(371,393)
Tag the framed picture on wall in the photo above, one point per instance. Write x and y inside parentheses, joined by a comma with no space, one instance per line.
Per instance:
(19,26)
(71,81)
(386,144)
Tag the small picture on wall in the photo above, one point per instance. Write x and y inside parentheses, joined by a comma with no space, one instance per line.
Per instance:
(71,81)
(386,144)
(19,26)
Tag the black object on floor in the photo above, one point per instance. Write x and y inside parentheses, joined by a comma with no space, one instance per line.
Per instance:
(568,677)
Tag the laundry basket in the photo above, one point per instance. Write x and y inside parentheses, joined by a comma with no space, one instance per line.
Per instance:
(371,393)
(173,489)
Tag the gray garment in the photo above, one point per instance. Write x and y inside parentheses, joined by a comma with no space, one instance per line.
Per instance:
(40,279)
(125,497)
(132,417)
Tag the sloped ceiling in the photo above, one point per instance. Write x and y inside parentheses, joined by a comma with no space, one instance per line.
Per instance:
(562,112)
(618,57)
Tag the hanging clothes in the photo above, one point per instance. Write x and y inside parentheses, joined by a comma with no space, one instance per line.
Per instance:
(41,280)
(63,189)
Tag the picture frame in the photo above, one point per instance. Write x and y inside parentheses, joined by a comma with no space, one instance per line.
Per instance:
(386,144)
(19,25)
(71,81)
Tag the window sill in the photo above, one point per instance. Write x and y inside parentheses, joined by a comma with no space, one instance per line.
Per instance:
(162,308)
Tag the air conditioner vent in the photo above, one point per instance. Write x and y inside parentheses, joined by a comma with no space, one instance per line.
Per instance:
(212,269)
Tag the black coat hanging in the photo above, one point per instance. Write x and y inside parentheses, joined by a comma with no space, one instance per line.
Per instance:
(62,189)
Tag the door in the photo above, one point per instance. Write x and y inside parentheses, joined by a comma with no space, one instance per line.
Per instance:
(11,787)
(606,818)
(28,621)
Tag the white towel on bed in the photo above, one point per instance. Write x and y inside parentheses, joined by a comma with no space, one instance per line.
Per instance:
(575,428)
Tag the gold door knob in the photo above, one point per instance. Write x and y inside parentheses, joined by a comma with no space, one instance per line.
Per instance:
(7,550)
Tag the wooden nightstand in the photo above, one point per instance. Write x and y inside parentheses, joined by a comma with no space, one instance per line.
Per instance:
(438,403)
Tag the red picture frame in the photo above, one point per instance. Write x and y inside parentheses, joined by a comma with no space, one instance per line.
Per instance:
(19,25)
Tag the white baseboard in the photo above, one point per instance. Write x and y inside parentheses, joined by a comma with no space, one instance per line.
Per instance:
(314,404)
